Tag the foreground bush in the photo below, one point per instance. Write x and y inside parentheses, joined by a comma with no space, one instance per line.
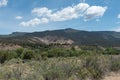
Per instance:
(92,67)
(115,63)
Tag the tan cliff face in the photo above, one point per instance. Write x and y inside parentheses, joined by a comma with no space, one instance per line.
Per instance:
(51,40)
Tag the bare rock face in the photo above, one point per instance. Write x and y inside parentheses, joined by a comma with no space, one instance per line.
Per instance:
(51,40)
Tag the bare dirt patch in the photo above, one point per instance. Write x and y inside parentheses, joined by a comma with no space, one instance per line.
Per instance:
(9,46)
(112,76)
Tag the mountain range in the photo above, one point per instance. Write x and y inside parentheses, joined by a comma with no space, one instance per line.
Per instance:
(65,36)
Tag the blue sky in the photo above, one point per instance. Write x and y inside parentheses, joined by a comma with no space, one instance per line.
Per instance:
(40,15)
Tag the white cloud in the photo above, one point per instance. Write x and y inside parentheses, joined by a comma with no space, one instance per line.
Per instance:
(42,11)
(3,2)
(84,10)
(94,12)
(67,13)
(81,7)
(118,16)
(18,17)
(44,20)
(117,29)
(34,22)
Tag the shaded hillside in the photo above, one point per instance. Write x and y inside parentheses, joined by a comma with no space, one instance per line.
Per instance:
(69,36)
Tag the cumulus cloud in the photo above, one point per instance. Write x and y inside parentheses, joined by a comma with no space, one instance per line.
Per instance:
(94,12)
(44,12)
(118,16)
(67,13)
(72,12)
(34,22)
(3,2)
(18,17)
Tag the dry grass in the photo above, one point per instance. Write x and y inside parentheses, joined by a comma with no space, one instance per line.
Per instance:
(73,68)
(9,46)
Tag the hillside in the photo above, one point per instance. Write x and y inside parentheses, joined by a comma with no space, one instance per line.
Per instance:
(67,36)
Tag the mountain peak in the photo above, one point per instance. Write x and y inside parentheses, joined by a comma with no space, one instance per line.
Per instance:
(71,30)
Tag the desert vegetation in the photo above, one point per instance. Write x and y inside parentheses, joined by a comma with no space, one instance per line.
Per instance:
(48,63)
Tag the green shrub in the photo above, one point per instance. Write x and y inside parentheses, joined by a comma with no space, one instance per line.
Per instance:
(19,51)
(96,66)
(115,63)
(27,54)
(57,52)
(111,51)
(7,55)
